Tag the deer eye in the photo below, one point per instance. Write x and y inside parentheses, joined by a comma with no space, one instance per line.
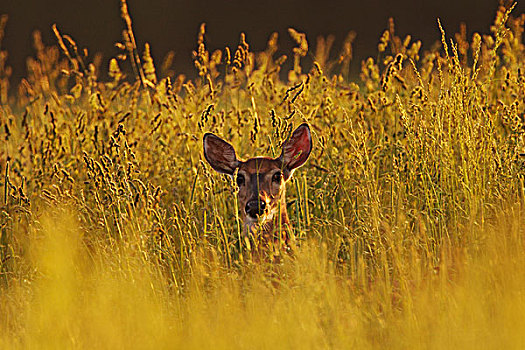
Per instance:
(240,180)
(277,177)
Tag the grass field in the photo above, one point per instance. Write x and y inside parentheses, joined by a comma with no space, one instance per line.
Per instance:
(409,215)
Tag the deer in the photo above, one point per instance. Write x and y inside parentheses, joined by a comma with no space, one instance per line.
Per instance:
(261,183)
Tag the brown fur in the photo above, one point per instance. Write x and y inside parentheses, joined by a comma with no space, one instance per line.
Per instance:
(269,224)
(274,195)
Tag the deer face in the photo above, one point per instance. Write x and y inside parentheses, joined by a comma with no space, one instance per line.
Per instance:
(261,185)
(261,180)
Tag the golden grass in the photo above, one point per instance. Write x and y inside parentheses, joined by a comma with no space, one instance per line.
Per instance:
(82,299)
(409,214)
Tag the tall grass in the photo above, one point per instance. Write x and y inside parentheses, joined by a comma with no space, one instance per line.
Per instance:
(409,215)
(98,299)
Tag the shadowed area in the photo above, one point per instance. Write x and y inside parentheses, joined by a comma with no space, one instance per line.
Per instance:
(173,25)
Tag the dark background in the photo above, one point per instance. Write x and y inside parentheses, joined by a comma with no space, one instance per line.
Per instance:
(173,24)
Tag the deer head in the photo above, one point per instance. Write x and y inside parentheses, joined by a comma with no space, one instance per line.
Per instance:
(261,180)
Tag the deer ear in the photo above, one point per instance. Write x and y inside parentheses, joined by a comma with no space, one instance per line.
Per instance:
(220,154)
(297,148)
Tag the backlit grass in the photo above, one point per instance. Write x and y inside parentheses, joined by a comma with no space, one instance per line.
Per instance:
(409,214)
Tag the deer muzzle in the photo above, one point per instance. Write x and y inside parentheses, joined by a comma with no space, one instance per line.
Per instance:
(255,208)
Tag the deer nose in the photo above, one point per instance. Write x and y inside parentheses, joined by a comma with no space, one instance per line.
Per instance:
(255,207)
